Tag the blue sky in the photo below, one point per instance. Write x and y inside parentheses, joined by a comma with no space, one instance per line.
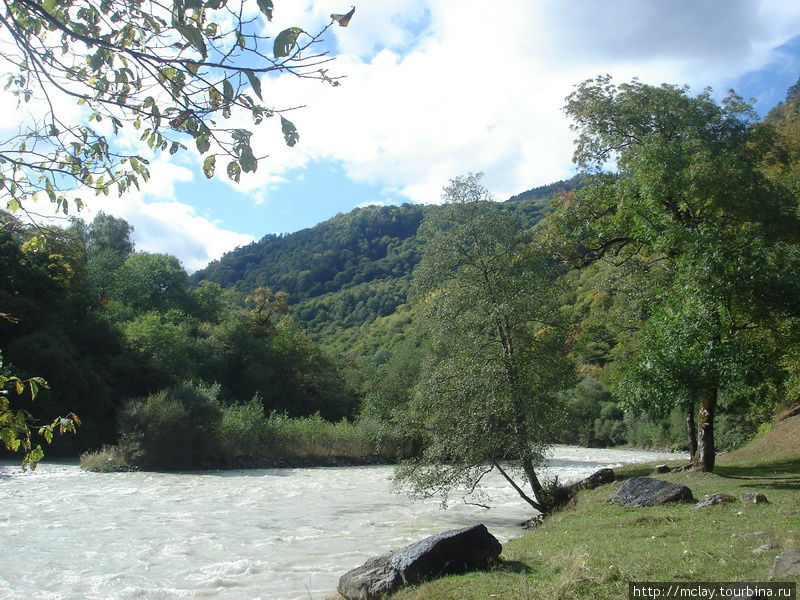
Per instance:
(435,89)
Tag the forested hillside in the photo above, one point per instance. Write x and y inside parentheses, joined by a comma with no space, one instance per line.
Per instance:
(352,269)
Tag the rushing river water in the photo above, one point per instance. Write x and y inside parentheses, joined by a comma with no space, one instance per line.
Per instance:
(275,534)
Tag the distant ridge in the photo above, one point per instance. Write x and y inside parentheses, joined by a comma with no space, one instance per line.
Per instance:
(352,268)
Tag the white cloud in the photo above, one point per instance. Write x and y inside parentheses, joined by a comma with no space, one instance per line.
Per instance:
(164,224)
(435,89)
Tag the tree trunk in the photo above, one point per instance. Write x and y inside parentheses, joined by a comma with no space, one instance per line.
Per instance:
(705,420)
(534,503)
(691,430)
(530,473)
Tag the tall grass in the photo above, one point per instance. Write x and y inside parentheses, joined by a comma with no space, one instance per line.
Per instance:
(247,434)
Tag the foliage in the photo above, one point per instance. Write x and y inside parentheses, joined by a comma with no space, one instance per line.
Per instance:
(108,459)
(347,276)
(592,417)
(489,389)
(691,203)
(16,424)
(163,73)
(174,428)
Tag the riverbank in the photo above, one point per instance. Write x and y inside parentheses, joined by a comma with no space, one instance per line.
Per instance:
(592,549)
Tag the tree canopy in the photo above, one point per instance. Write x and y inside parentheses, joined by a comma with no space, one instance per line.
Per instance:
(690,199)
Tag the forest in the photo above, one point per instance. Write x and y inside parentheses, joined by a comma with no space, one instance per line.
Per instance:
(652,300)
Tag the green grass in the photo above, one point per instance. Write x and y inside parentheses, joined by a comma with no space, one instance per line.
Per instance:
(593,549)
(107,459)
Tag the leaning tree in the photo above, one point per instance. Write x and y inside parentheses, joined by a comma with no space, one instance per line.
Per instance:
(487,394)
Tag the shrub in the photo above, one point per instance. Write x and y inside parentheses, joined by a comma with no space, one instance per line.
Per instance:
(175,428)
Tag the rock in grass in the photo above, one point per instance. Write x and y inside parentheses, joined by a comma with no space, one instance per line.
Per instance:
(456,551)
(754,497)
(786,563)
(594,480)
(646,491)
(712,500)
(661,469)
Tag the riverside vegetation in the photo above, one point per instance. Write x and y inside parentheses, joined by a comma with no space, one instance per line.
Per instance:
(655,305)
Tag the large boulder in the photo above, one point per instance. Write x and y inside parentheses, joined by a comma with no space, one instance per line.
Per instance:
(456,551)
(646,491)
(594,480)
(787,564)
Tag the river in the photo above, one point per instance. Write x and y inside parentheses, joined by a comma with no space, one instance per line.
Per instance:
(277,534)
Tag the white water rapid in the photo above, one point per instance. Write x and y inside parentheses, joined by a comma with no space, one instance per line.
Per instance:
(272,534)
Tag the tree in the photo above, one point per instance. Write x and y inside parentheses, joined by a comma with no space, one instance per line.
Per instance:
(488,392)
(689,197)
(166,70)
(148,281)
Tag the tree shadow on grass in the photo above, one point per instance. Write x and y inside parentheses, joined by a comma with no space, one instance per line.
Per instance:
(782,474)
(512,566)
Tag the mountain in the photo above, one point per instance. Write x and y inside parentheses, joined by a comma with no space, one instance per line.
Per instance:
(352,270)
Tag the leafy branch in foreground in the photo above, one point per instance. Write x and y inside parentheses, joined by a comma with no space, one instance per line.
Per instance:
(160,71)
(16,424)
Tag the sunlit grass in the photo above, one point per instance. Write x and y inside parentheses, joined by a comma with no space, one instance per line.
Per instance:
(592,549)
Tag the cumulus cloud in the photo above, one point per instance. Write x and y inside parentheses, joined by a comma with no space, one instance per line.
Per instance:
(162,223)
(435,89)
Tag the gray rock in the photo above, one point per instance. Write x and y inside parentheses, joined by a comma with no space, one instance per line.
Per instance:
(764,548)
(374,579)
(661,469)
(786,563)
(533,522)
(712,500)
(754,497)
(456,551)
(646,491)
(596,479)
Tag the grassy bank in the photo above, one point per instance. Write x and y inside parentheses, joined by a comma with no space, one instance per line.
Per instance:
(593,549)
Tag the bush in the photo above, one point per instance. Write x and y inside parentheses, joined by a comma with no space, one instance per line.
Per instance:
(175,428)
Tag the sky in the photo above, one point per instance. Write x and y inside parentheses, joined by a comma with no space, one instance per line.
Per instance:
(433,89)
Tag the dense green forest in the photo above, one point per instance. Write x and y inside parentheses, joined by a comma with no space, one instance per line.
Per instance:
(655,305)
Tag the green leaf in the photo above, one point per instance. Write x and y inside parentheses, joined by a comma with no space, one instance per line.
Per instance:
(209,164)
(255,82)
(266,8)
(203,143)
(227,91)
(285,41)
(214,98)
(234,170)
(290,133)
(247,160)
